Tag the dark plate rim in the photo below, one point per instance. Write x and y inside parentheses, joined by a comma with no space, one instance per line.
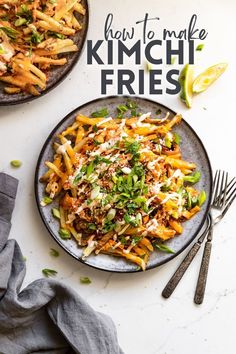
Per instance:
(64,76)
(36,181)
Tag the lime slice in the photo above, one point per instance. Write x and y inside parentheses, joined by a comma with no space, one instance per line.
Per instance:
(210,75)
(186,83)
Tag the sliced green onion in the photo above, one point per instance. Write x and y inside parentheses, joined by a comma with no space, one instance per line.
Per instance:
(95,128)
(194,201)
(49,272)
(177,138)
(163,248)
(54,252)
(149,66)
(111,214)
(101,113)
(189,200)
(20,21)
(131,104)
(16,163)
(10,32)
(136,240)
(90,169)
(56,213)
(92,226)
(122,108)
(168,143)
(114,178)
(193,178)
(201,198)
(37,37)
(200,47)
(46,200)
(138,218)
(95,192)
(65,234)
(85,280)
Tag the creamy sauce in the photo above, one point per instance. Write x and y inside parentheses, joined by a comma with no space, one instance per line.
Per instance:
(62,149)
(8,51)
(104,121)
(152,225)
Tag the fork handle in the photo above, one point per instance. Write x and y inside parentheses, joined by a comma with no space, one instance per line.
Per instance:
(202,278)
(177,276)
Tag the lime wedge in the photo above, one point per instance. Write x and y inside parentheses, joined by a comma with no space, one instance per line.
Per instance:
(210,75)
(186,83)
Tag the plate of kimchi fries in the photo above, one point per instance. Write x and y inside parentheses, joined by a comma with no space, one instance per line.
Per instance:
(40,42)
(123,184)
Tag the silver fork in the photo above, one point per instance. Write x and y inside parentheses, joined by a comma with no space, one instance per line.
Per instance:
(223,197)
(177,276)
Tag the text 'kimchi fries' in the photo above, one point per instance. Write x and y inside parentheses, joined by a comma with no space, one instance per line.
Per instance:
(33,37)
(123,187)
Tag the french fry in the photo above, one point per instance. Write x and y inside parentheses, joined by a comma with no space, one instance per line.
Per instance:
(49,23)
(80,135)
(68,163)
(189,214)
(176,226)
(139,261)
(12,90)
(79,8)
(15,81)
(182,165)
(67,49)
(44,60)
(147,244)
(64,9)
(31,89)
(163,233)
(75,23)
(55,169)
(71,129)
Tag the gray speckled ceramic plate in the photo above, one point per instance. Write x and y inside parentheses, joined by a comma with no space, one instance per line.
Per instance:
(57,73)
(192,150)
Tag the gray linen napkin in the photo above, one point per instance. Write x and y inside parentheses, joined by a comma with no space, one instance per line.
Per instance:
(47,316)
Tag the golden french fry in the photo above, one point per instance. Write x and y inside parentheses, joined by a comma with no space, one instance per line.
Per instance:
(55,169)
(181,164)
(64,9)
(49,23)
(44,60)
(176,226)
(12,90)
(135,259)
(79,8)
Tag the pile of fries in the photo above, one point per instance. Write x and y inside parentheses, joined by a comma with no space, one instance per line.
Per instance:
(33,37)
(123,187)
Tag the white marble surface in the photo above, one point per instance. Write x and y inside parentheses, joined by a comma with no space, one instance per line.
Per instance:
(146,322)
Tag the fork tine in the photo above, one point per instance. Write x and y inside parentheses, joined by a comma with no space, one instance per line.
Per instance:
(227,189)
(221,183)
(224,190)
(230,186)
(231,194)
(231,198)
(215,186)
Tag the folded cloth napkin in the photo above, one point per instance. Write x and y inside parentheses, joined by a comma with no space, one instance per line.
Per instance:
(47,316)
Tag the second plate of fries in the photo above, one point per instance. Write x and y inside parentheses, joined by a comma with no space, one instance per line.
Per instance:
(40,42)
(123,184)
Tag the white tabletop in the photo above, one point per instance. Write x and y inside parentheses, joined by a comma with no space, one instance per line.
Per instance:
(146,323)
